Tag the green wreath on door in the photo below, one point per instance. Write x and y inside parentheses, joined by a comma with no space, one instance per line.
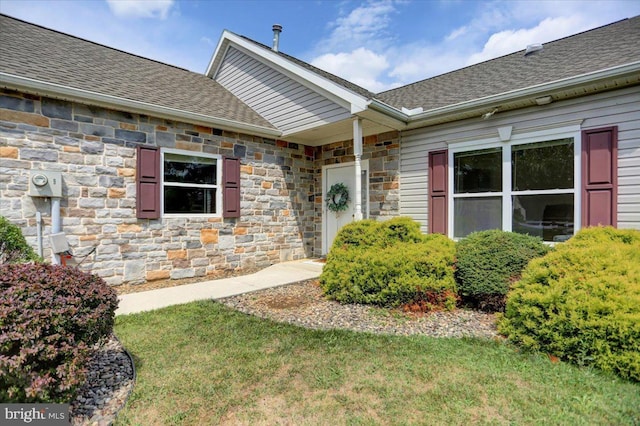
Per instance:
(338,197)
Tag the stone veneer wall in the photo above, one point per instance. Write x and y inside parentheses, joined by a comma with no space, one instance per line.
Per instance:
(94,148)
(383,153)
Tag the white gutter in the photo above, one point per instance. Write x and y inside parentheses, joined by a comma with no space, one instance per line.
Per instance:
(72,93)
(495,100)
(387,109)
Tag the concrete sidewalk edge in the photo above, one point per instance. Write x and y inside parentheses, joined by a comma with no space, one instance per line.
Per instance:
(272,276)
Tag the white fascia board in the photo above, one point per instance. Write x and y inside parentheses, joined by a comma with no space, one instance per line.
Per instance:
(339,94)
(218,54)
(75,94)
(531,91)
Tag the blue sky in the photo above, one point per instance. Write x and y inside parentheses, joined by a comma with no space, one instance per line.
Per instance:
(376,44)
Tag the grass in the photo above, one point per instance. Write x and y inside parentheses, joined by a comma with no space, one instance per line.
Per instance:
(203,363)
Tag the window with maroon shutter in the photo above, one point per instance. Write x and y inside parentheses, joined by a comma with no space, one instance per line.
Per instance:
(599,176)
(231,187)
(438,192)
(148,183)
(191,183)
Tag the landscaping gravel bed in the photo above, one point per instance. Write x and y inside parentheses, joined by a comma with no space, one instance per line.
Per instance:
(109,382)
(303,304)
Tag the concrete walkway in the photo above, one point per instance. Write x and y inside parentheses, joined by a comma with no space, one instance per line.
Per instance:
(273,276)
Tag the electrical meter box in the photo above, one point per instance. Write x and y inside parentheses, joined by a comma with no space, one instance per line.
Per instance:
(45,184)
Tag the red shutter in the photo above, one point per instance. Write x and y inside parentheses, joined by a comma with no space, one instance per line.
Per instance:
(148,182)
(231,187)
(438,171)
(600,177)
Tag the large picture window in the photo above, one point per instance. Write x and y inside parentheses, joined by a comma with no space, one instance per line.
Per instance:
(190,183)
(522,186)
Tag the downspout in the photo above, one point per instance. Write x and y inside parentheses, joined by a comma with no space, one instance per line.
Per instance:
(39,232)
(55,225)
(357,151)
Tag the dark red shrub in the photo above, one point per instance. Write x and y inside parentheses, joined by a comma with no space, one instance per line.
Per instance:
(50,316)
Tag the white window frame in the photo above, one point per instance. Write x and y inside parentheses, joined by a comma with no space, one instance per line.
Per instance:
(507,193)
(218,186)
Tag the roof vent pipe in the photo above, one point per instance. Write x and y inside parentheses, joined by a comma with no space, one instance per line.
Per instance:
(277,29)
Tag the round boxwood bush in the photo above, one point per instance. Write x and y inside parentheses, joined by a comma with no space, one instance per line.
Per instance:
(581,302)
(13,246)
(396,265)
(489,262)
(50,316)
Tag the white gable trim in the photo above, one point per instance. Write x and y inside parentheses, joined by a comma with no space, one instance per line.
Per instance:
(337,93)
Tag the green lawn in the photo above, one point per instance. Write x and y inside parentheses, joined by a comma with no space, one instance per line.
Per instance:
(203,363)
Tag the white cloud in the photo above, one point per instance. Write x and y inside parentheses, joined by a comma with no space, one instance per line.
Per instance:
(414,63)
(364,25)
(207,40)
(141,8)
(458,32)
(361,66)
(355,48)
(509,41)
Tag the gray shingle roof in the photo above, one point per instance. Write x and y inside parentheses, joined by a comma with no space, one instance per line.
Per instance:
(31,51)
(35,52)
(601,48)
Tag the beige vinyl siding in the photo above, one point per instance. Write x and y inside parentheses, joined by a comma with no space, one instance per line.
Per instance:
(285,103)
(629,171)
(414,173)
(616,108)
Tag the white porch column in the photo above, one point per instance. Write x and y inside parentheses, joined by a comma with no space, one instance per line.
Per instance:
(357,151)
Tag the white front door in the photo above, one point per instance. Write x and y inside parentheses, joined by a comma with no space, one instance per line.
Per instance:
(333,221)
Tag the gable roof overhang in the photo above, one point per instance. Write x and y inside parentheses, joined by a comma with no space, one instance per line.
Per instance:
(336,92)
(67,93)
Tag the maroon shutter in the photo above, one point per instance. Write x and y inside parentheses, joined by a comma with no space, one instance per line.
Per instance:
(231,187)
(438,192)
(148,182)
(600,177)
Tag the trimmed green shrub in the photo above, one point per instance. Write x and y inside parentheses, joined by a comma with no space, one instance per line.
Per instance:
(50,315)
(363,233)
(402,229)
(488,262)
(581,302)
(369,233)
(395,265)
(13,246)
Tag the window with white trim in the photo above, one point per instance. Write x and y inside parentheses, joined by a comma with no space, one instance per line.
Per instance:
(527,185)
(191,183)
